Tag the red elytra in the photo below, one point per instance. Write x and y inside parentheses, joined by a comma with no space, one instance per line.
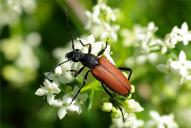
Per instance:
(111,76)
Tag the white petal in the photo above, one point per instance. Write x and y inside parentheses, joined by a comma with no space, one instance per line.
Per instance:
(155,115)
(50,98)
(57,103)
(188,64)
(185,41)
(184,27)
(175,64)
(58,70)
(49,75)
(182,56)
(188,77)
(183,71)
(90,39)
(96,47)
(41,91)
(104,35)
(73,107)
(47,84)
(55,88)
(107,55)
(62,112)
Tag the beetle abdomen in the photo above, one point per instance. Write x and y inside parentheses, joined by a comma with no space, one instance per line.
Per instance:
(111,76)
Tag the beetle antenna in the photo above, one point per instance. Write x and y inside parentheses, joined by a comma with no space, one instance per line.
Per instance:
(68,26)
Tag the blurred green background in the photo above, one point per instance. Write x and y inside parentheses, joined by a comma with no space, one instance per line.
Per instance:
(20,107)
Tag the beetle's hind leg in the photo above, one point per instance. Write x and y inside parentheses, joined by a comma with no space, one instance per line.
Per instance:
(127,69)
(113,98)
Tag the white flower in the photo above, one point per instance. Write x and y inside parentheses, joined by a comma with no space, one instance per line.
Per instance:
(58,76)
(49,89)
(132,106)
(165,121)
(182,65)
(68,105)
(183,32)
(130,122)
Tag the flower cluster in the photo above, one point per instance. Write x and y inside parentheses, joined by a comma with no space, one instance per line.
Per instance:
(21,52)
(165,121)
(176,35)
(50,89)
(101,21)
(10,10)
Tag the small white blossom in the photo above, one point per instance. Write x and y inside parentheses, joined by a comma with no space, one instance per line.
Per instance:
(182,65)
(107,106)
(48,89)
(184,34)
(165,121)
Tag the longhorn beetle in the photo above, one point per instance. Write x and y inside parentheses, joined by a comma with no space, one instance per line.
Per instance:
(102,69)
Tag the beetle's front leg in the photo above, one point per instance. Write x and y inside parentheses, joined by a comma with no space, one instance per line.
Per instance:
(77,72)
(103,50)
(89,46)
(127,69)
(84,82)
(113,98)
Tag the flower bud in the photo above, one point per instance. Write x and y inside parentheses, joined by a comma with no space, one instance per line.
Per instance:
(107,107)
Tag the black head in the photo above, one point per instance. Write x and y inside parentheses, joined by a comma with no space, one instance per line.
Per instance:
(74,55)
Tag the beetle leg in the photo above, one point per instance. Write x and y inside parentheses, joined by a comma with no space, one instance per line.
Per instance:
(84,82)
(103,50)
(77,72)
(127,69)
(89,46)
(113,98)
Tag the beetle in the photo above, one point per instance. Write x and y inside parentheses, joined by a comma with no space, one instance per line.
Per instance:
(102,69)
